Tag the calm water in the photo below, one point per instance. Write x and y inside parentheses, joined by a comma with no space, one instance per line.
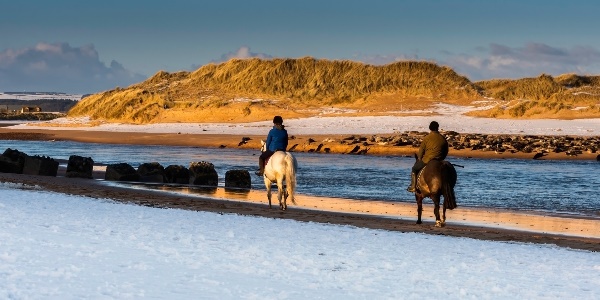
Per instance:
(566,187)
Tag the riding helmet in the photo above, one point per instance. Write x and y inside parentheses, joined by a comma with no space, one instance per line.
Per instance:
(434,126)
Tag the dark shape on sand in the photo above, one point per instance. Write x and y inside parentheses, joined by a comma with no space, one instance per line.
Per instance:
(238,179)
(12,161)
(244,141)
(203,173)
(80,167)
(151,172)
(40,165)
(121,172)
(177,174)
(538,155)
(354,150)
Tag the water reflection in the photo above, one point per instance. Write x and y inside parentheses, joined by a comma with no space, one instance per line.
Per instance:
(183,189)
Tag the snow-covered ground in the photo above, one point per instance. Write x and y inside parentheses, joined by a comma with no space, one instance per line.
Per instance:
(450,117)
(55,246)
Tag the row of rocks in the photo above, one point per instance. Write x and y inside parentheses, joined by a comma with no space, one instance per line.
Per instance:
(570,145)
(198,173)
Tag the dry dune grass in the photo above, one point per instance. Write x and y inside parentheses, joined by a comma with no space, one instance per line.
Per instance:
(255,90)
(567,96)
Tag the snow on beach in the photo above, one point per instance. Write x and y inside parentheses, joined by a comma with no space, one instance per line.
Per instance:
(55,246)
(450,117)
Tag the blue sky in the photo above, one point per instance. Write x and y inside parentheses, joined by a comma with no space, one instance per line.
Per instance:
(89,46)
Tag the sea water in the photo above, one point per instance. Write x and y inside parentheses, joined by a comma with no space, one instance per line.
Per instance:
(547,186)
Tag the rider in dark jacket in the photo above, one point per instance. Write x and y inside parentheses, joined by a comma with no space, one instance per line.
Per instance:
(434,146)
(277,140)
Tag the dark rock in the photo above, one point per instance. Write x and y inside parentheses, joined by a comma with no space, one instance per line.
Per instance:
(121,172)
(238,179)
(80,167)
(151,172)
(12,161)
(203,173)
(40,165)
(177,174)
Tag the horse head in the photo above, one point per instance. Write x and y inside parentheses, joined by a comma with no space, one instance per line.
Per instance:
(263,146)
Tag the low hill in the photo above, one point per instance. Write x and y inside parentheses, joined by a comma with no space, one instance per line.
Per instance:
(254,89)
(567,96)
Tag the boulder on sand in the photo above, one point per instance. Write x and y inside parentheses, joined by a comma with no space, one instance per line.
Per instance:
(177,174)
(80,167)
(203,173)
(121,172)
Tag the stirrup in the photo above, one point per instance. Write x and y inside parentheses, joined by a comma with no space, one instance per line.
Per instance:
(258,173)
(411,189)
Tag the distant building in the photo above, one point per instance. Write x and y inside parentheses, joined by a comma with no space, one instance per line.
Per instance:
(30,109)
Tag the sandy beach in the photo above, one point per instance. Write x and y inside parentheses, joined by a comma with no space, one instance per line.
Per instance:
(495,225)
(498,225)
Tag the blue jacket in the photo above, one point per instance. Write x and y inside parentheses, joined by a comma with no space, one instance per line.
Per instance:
(277,139)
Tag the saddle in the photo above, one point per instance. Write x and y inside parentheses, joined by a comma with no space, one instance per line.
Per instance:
(421,173)
(267,159)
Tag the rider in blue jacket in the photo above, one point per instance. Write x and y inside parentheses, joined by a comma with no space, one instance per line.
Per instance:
(277,140)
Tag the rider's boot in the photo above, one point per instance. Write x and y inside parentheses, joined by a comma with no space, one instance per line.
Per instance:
(261,165)
(413,182)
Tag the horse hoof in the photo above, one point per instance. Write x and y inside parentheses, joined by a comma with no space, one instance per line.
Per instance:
(419,222)
(438,224)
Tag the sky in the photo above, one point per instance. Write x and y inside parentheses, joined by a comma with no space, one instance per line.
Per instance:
(91,46)
(57,246)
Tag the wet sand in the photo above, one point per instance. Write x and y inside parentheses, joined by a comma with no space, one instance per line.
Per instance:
(496,225)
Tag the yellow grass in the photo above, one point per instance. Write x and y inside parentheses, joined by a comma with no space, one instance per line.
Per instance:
(256,89)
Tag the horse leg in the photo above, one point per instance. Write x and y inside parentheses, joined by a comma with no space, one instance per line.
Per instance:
(444,215)
(280,192)
(419,207)
(268,185)
(436,210)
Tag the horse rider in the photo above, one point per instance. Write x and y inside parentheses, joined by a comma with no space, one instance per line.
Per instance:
(277,140)
(434,146)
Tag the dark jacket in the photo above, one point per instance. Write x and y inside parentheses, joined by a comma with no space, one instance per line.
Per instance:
(434,146)
(277,139)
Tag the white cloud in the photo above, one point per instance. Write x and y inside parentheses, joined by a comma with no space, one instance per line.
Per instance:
(60,67)
(383,59)
(501,61)
(242,53)
(531,60)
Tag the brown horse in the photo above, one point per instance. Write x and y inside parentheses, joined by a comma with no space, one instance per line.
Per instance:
(436,179)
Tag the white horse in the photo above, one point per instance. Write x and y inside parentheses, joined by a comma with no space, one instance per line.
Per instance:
(280,167)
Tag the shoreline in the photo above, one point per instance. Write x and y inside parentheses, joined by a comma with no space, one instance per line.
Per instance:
(483,224)
(303,142)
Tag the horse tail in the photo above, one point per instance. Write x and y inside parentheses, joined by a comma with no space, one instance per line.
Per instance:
(290,175)
(448,183)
